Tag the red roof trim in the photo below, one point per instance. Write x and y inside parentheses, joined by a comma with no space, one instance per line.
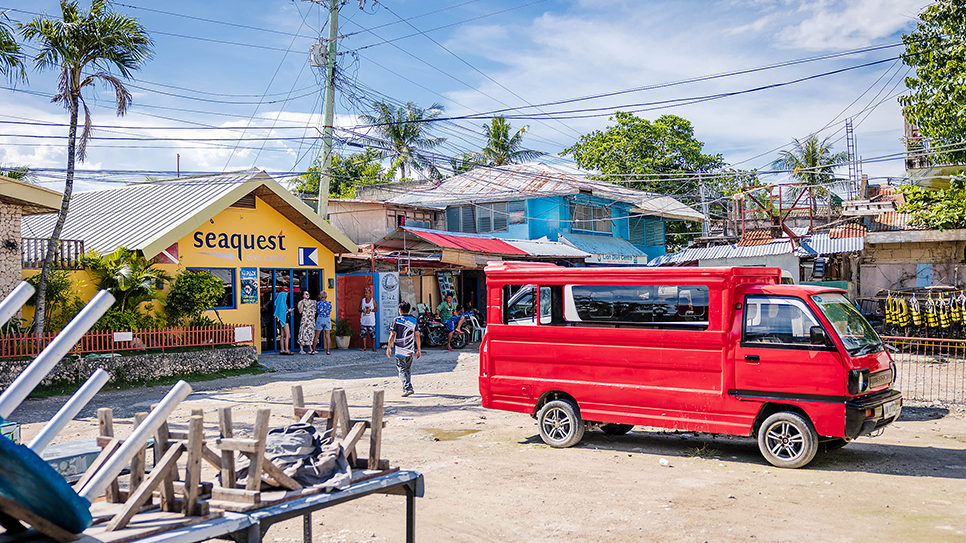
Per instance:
(467,243)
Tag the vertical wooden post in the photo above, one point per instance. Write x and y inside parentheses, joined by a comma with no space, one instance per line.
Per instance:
(298,400)
(137,463)
(105,421)
(375,428)
(192,480)
(339,406)
(259,431)
(227,456)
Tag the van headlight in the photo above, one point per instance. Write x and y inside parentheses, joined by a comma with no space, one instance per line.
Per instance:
(895,372)
(859,381)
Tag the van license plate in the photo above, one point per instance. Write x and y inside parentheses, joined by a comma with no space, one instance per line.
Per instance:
(889,410)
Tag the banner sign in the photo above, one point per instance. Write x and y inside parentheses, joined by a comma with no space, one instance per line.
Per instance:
(249,285)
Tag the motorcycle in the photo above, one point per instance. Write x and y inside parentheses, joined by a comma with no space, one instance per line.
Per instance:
(434,333)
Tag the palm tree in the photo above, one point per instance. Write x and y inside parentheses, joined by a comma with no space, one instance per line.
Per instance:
(502,148)
(811,162)
(464,162)
(11,58)
(130,277)
(85,47)
(403,135)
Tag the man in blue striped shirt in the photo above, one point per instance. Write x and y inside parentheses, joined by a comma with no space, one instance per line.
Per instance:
(405,337)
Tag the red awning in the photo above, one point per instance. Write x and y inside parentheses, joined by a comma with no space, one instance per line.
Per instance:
(467,243)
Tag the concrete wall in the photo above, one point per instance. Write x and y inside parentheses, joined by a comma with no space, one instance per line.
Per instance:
(9,247)
(911,264)
(137,367)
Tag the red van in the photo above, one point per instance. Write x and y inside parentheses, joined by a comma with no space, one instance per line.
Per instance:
(719,350)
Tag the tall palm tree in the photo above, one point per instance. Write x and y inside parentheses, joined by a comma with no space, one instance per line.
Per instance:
(11,58)
(85,47)
(502,148)
(812,162)
(403,134)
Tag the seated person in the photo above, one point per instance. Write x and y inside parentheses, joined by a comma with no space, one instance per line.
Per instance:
(470,311)
(453,324)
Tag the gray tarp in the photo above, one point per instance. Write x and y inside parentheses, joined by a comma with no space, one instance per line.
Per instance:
(306,455)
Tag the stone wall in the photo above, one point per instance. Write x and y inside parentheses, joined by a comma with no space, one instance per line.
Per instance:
(9,247)
(910,264)
(138,367)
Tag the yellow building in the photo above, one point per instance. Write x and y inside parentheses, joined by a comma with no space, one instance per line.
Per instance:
(243,227)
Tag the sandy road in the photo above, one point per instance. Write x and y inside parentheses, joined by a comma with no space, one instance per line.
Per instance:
(490,478)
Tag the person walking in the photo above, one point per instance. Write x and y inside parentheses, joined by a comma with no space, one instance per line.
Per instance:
(307,328)
(404,336)
(281,319)
(323,321)
(367,321)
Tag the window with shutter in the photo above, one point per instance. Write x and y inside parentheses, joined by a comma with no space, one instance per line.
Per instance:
(453,218)
(500,217)
(468,222)
(517,212)
(484,219)
(655,233)
(636,231)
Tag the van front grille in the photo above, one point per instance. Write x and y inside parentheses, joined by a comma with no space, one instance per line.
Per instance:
(881,378)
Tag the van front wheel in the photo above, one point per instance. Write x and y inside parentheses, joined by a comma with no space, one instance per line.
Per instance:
(787,440)
(560,425)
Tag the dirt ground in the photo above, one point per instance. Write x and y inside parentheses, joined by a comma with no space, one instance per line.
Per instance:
(490,478)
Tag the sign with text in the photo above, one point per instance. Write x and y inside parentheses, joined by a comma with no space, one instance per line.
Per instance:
(249,285)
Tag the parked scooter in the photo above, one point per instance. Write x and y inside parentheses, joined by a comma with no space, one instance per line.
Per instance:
(434,333)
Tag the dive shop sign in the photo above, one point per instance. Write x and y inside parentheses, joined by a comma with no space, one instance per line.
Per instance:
(240,244)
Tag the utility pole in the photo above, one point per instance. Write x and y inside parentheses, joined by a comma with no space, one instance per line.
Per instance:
(705,229)
(315,51)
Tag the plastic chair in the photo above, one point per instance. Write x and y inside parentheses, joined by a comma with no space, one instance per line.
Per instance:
(477,334)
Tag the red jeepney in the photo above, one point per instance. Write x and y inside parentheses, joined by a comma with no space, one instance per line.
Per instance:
(720,350)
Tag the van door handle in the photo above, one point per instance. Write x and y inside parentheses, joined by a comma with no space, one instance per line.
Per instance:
(752,358)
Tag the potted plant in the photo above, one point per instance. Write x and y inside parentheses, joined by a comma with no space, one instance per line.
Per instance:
(343,333)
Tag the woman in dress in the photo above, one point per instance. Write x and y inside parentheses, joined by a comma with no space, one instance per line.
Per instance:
(307,328)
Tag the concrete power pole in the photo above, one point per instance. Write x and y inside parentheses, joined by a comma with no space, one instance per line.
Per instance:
(316,59)
(705,227)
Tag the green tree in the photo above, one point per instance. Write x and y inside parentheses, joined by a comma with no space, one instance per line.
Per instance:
(20,173)
(64,302)
(403,135)
(940,209)
(193,293)
(348,172)
(84,47)
(502,148)
(936,49)
(812,162)
(11,57)
(126,274)
(464,162)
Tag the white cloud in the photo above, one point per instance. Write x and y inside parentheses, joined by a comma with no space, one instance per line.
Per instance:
(831,25)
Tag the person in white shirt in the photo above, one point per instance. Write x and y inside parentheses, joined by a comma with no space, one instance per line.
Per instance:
(368,309)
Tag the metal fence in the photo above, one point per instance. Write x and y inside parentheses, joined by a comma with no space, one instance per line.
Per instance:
(930,370)
(68,255)
(22,346)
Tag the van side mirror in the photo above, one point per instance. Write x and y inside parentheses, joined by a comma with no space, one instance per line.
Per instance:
(816,335)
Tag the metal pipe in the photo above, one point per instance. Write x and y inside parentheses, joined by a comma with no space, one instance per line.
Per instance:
(14,301)
(70,410)
(28,380)
(100,481)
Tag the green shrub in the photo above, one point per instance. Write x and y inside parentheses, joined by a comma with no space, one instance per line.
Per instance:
(342,328)
(193,292)
(62,302)
(116,320)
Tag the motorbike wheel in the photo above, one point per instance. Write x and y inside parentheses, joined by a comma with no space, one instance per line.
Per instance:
(436,335)
(459,341)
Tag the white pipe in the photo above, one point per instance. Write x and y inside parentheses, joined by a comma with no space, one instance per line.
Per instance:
(14,301)
(96,486)
(29,378)
(70,410)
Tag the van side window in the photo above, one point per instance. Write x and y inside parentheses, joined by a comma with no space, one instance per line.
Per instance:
(777,320)
(661,306)
(518,304)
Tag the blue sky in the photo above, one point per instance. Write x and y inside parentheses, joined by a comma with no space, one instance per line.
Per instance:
(222,66)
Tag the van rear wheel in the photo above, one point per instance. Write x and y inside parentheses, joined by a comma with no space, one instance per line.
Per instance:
(560,425)
(614,429)
(788,440)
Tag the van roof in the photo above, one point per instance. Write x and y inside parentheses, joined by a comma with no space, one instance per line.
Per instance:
(509,270)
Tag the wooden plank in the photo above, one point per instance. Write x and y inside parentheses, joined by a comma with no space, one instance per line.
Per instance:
(249,446)
(166,489)
(143,492)
(106,453)
(340,407)
(204,489)
(375,432)
(259,432)
(236,495)
(349,441)
(210,456)
(137,463)
(196,433)
(105,421)
(179,436)
(146,525)
(280,477)
(363,463)
(320,412)
(42,525)
(227,458)
(298,400)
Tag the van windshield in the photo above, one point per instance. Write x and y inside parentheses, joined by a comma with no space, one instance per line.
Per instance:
(855,332)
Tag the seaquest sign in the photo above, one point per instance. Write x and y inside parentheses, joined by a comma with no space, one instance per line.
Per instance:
(239,242)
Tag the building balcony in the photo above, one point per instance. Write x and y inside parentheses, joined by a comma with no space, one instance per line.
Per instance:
(68,255)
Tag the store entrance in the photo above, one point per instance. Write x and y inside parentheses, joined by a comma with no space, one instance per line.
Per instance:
(280,286)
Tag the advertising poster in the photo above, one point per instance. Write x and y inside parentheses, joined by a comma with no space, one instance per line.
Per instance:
(249,285)
(388,302)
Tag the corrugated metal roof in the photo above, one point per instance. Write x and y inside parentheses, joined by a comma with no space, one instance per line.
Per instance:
(755,237)
(142,215)
(525,181)
(849,230)
(410,238)
(545,248)
(465,242)
(814,245)
(892,220)
(602,245)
